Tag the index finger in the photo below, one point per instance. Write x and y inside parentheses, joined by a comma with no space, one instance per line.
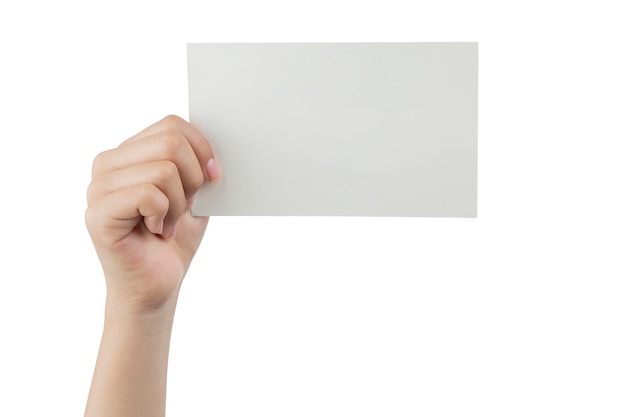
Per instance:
(200,145)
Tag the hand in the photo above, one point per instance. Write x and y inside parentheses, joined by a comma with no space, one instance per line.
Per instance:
(138,211)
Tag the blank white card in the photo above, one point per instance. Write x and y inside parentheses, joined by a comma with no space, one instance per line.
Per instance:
(338,129)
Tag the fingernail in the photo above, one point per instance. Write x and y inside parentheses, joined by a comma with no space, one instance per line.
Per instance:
(213,170)
(161,227)
(169,231)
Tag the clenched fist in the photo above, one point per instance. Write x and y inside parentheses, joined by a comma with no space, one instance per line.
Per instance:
(138,211)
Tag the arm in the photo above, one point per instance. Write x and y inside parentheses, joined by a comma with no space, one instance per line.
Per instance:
(139,220)
(131,369)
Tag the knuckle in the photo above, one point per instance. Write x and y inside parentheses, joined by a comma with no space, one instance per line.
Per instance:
(171,121)
(92,191)
(150,195)
(166,171)
(146,192)
(172,143)
(198,179)
(97,165)
(89,217)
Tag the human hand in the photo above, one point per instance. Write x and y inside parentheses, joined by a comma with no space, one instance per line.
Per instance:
(138,211)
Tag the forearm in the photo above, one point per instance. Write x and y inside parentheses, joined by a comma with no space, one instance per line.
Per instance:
(131,370)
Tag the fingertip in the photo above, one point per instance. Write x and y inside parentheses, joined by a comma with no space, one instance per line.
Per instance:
(213,170)
(154,225)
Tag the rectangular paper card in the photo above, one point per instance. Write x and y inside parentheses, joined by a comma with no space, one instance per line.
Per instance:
(337,129)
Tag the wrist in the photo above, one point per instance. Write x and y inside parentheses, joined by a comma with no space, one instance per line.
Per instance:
(141,295)
(137,317)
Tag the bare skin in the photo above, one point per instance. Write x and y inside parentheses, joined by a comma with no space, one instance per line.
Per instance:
(145,237)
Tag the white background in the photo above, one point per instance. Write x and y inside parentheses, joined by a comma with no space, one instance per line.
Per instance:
(519,312)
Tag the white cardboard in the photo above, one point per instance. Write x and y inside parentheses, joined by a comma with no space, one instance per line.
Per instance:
(338,129)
